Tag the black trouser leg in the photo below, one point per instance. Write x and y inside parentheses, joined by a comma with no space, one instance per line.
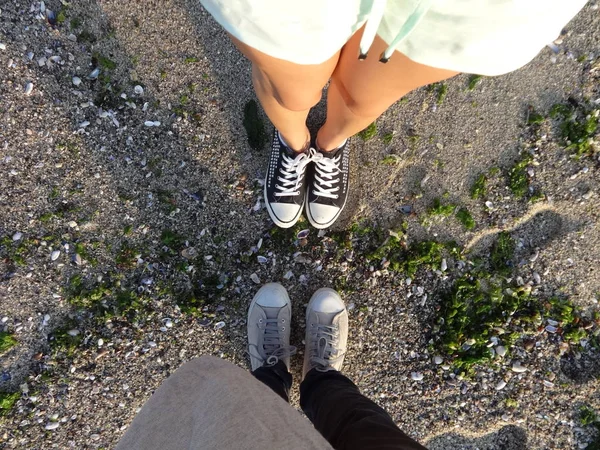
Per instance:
(346,418)
(276,377)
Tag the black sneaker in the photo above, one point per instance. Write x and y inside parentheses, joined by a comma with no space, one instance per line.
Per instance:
(328,186)
(285,189)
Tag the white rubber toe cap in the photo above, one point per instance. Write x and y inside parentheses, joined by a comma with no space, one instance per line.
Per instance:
(322,216)
(272,295)
(285,215)
(326,300)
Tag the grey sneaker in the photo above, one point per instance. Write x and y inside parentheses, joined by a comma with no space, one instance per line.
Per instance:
(269,319)
(326,332)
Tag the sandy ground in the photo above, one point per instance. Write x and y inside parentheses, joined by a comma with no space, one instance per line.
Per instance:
(73,174)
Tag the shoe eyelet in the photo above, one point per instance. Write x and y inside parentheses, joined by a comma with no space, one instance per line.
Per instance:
(260,321)
(282,320)
(282,328)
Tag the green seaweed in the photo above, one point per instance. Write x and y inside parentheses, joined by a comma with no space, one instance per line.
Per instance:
(502,253)
(474,81)
(369,132)
(7,341)
(518,181)
(479,188)
(7,402)
(439,209)
(465,217)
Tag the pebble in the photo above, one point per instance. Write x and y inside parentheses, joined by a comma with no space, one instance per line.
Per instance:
(219,325)
(28,88)
(189,253)
(261,259)
(74,332)
(76,81)
(55,254)
(444,265)
(100,342)
(2,46)
(417,376)
(150,123)
(548,384)
(438,360)
(518,368)
(52,425)
(138,90)
(500,350)
(551,329)
(17,236)
(537,278)
(489,204)
(255,278)
(501,385)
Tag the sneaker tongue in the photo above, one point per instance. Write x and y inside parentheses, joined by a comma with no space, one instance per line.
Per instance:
(322,347)
(271,312)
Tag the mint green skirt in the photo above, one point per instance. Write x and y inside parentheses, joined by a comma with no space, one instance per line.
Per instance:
(488,37)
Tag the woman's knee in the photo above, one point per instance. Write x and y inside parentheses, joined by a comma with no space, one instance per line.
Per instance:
(359,102)
(290,94)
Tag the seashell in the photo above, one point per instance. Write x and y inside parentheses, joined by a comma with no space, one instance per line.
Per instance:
(501,350)
(255,278)
(303,234)
(28,88)
(51,17)
(52,426)
(444,265)
(416,376)
(94,74)
(138,90)
(517,367)
(55,254)
(261,259)
(219,325)
(501,385)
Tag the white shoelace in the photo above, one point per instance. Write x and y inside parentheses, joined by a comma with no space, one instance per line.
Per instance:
(326,171)
(291,173)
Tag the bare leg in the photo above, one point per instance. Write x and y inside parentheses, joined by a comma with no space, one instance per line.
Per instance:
(360,91)
(287,91)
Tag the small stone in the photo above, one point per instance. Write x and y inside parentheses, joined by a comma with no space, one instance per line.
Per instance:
(548,384)
(551,329)
(55,254)
(255,278)
(408,281)
(501,385)
(444,265)
(438,360)
(138,90)
(100,342)
(77,259)
(489,204)
(28,88)
(219,325)
(52,425)
(500,350)
(261,259)
(537,278)
(17,236)
(189,253)
(74,332)
(2,46)
(76,81)
(518,368)
(416,376)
